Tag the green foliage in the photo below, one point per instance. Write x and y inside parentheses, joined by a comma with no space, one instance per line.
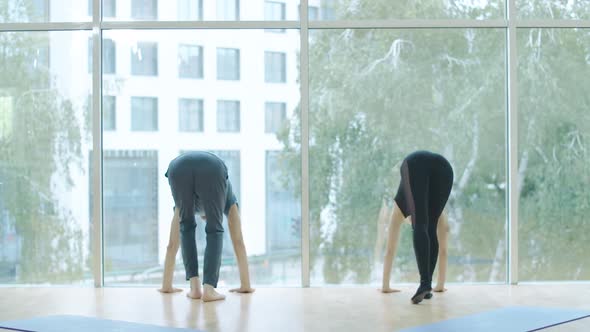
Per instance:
(378,94)
(44,143)
(554,125)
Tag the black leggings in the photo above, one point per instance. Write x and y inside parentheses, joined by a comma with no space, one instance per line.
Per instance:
(425,186)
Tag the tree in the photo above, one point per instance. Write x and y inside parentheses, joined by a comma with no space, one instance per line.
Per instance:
(376,95)
(554,125)
(40,143)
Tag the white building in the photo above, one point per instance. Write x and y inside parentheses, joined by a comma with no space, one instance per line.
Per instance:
(168,91)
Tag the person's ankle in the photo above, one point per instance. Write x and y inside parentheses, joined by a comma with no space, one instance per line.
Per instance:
(425,285)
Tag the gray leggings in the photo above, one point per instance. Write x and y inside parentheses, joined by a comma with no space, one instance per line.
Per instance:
(199,181)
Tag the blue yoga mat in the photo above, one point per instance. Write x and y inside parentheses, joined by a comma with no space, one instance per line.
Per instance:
(79,324)
(508,319)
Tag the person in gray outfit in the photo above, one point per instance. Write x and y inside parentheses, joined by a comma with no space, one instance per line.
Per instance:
(199,183)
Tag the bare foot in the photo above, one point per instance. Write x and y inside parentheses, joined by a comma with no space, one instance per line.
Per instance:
(439,289)
(195,292)
(210,294)
(169,290)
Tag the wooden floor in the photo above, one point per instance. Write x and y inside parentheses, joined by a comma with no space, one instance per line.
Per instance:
(290,309)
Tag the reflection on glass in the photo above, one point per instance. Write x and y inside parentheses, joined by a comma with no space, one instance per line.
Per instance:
(554,124)
(376,96)
(44,143)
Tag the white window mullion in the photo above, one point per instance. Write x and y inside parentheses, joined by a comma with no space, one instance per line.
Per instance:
(304,65)
(97,208)
(512,57)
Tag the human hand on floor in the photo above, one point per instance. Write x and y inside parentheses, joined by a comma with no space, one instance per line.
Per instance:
(387,290)
(242,290)
(169,290)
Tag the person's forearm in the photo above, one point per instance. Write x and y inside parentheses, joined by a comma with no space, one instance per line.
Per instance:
(442,269)
(387,263)
(392,240)
(171,250)
(235,232)
(169,263)
(242,259)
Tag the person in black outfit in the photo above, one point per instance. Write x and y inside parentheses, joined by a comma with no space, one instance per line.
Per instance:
(425,187)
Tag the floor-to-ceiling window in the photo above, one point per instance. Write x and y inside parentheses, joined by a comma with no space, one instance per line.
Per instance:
(312,116)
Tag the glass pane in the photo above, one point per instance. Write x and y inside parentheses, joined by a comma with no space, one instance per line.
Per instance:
(275,116)
(275,11)
(228,116)
(135,161)
(228,64)
(275,67)
(190,61)
(554,124)
(424,9)
(441,90)
(190,116)
(144,10)
(551,9)
(109,8)
(24,11)
(109,60)
(144,59)
(109,113)
(45,139)
(197,10)
(144,113)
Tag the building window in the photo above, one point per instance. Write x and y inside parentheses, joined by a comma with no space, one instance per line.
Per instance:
(109,56)
(130,210)
(144,9)
(274,11)
(39,11)
(275,70)
(109,113)
(144,114)
(109,61)
(228,64)
(313,13)
(144,59)
(190,61)
(275,116)
(190,115)
(328,10)
(228,116)
(283,208)
(108,8)
(190,10)
(228,10)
